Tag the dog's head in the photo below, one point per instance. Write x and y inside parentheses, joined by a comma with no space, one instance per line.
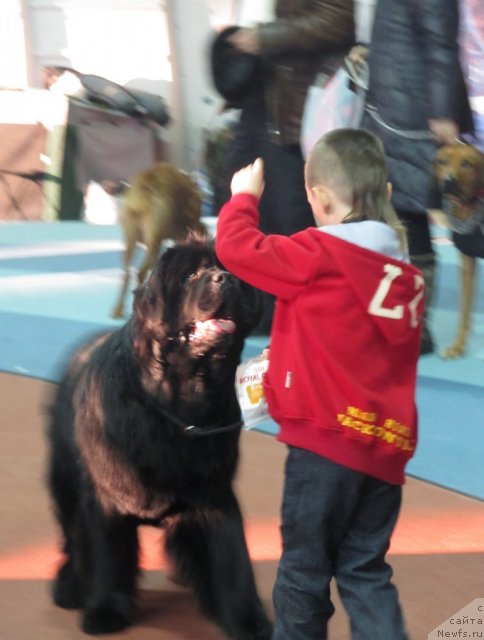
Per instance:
(459,173)
(191,300)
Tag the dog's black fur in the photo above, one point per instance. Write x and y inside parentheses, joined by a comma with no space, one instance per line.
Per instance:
(120,457)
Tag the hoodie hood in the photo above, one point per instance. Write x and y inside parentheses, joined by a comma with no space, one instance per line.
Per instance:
(399,290)
(370,234)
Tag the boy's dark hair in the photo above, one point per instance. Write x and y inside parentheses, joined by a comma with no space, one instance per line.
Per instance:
(352,163)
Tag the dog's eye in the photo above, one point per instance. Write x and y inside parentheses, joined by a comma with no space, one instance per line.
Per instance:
(194,276)
(467,164)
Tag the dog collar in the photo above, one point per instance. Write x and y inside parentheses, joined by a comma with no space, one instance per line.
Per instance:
(193,431)
(189,430)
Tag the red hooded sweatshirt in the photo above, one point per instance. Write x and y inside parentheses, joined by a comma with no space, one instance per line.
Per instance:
(345,337)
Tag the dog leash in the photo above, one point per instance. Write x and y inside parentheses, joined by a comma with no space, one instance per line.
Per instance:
(190,431)
(423,134)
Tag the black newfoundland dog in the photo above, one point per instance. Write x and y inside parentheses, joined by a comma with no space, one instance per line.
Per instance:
(144,429)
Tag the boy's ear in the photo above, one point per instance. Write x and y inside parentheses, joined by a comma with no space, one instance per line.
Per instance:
(389,191)
(322,195)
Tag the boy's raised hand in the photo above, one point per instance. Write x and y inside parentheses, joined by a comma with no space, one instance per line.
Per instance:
(250,179)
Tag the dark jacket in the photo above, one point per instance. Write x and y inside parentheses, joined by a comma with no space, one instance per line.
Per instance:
(305,37)
(415,74)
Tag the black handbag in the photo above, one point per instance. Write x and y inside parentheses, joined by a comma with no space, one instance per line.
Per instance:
(133,102)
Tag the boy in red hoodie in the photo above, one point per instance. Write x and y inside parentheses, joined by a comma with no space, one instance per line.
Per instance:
(341,380)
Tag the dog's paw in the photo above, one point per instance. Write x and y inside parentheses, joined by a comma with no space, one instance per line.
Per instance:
(104,619)
(66,591)
(118,313)
(453,352)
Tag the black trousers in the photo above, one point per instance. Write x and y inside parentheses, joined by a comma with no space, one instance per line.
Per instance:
(418,232)
(337,523)
(283,208)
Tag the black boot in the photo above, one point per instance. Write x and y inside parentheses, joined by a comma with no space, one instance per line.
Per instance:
(426,263)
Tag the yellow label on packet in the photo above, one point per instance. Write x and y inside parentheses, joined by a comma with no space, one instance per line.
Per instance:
(255,392)
(250,390)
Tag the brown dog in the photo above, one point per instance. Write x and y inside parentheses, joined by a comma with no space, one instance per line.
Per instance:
(159,203)
(459,170)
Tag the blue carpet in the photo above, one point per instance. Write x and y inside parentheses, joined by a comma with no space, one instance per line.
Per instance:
(59,281)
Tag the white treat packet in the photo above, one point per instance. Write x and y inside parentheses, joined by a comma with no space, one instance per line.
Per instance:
(250,392)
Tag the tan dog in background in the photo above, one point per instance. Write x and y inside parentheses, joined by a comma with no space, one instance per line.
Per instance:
(159,203)
(459,171)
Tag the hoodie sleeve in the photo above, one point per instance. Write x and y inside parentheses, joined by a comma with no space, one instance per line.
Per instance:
(276,264)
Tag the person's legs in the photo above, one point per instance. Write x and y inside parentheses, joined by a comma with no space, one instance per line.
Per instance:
(301,596)
(247,143)
(422,256)
(251,141)
(362,575)
(320,497)
(284,208)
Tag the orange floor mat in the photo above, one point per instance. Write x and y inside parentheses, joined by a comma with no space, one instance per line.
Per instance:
(437,551)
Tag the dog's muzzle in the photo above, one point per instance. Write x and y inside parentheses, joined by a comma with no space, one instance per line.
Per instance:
(450,186)
(219,277)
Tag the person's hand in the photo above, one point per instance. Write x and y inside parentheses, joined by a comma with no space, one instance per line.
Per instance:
(111,187)
(265,353)
(245,40)
(250,179)
(444,130)
(358,55)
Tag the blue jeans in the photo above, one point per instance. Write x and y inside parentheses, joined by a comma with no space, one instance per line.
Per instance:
(335,523)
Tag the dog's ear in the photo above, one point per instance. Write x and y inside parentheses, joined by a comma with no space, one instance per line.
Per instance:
(147,300)
(149,322)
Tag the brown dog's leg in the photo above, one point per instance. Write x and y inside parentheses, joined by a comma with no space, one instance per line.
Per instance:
(149,261)
(131,236)
(153,232)
(468,281)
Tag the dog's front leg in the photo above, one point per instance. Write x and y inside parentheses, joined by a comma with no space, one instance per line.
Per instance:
(210,552)
(154,229)
(109,564)
(468,282)
(131,234)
